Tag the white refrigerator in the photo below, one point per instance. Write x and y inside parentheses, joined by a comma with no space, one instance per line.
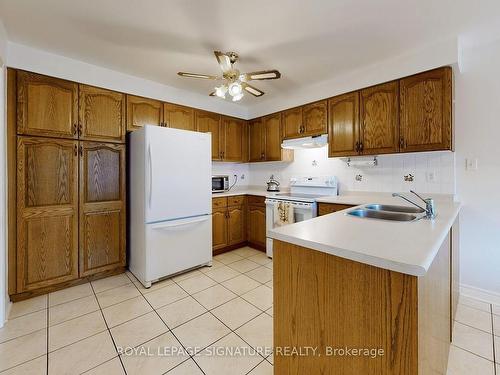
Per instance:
(170,202)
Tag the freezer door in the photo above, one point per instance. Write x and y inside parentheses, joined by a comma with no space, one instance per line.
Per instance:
(177,245)
(178,174)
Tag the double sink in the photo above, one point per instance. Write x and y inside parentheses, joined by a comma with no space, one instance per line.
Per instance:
(387,212)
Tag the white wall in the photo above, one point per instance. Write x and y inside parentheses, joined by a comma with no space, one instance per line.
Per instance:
(35,60)
(477,91)
(4,298)
(387,176)
(230,169)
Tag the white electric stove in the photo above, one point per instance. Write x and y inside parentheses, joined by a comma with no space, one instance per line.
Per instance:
(302,197)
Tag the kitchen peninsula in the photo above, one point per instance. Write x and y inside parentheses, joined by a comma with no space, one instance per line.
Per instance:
(345,285)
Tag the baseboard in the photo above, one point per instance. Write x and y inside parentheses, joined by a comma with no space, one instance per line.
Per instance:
(480,294)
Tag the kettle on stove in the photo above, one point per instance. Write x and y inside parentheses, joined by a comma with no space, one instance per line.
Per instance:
(272,184)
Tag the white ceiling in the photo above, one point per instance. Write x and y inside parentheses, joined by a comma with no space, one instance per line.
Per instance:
(308,41)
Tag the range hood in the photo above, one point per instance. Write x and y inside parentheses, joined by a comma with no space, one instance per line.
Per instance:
(305,142)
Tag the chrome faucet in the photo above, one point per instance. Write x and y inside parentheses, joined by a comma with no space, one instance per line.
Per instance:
(430,209)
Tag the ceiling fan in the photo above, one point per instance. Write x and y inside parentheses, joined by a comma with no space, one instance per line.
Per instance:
(234,82)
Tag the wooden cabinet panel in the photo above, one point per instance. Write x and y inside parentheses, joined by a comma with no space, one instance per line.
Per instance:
(292,123)
(219,202)
(234,130)
(102,207)
(208,122)
(257,225)
(219,228)
(343,125)
(101,114)
(379,116)
(46,106)
(256,140)
(179,117)
(328,208)
(236,200)
(47,212)
(236,224)
(272,137)
(426,119)
(143,111)
(314,118)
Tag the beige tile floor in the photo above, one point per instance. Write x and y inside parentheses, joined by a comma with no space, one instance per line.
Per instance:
(82,329)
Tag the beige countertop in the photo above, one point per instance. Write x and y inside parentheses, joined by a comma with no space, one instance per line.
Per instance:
(407,247)
(246,190)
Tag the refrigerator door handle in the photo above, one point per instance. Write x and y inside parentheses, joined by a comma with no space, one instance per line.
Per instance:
(150,162)
(180,223)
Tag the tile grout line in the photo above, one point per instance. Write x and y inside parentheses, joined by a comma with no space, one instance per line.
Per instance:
(493,338)
(108,330)
(173,334)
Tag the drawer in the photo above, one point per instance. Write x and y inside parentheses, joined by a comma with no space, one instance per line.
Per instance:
(236,200)
(219,202)
(256,200)
(328,208)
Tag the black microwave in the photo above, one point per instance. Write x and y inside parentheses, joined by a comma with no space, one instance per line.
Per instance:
(220,184)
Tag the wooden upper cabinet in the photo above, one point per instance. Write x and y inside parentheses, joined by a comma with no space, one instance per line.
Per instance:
(343,125)
(101,114)
(234,138)
(179,117)
(256,144)
(46,106)
(379,117)
(143,111)
(47,212)
(426,111)
(292,123)
(314,118)
(209,122)
(272,137)
(102,207)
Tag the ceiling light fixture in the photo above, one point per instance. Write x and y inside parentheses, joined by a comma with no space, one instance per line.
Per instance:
(220,91)
(237,97)
(235,88)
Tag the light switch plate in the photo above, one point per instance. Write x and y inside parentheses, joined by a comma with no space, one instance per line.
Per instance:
(471,164)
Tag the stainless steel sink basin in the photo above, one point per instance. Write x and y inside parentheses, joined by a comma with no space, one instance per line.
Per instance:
(382,215)
(392,208)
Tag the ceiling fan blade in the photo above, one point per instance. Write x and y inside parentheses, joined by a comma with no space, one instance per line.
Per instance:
(224,61)
(263,74)
(252,90)
(196,75)
(212,93)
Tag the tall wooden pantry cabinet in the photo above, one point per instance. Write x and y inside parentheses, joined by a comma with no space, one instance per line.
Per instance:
(69,182)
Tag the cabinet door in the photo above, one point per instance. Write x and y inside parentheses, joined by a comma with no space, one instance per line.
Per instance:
(425,116)
(179,117)
(47,212)
(102,207)
(315,118)
(343,125)
(101,114)
(46,106)
(273,137)
(143,111)
(257,225)
(256,140)
(292,123)
(219,228)
(328,208)
(379,113)
(208,122)
(234,138)
(236,224)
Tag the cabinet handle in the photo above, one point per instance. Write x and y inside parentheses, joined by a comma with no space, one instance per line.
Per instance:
(80,129)
(76,150)
(402,143)
(357,146)
(262,156)
(361,146)
(81,150)
(75,128)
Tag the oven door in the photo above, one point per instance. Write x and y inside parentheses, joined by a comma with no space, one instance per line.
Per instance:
(301,211)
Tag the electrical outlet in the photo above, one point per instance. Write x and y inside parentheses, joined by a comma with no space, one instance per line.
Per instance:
(471,164)
(431,176)
(242,177)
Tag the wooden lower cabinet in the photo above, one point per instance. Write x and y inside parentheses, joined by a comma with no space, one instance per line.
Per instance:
(328,208)
(47,212)
(219,228)
(236,224)
(256,229)
(102,207)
